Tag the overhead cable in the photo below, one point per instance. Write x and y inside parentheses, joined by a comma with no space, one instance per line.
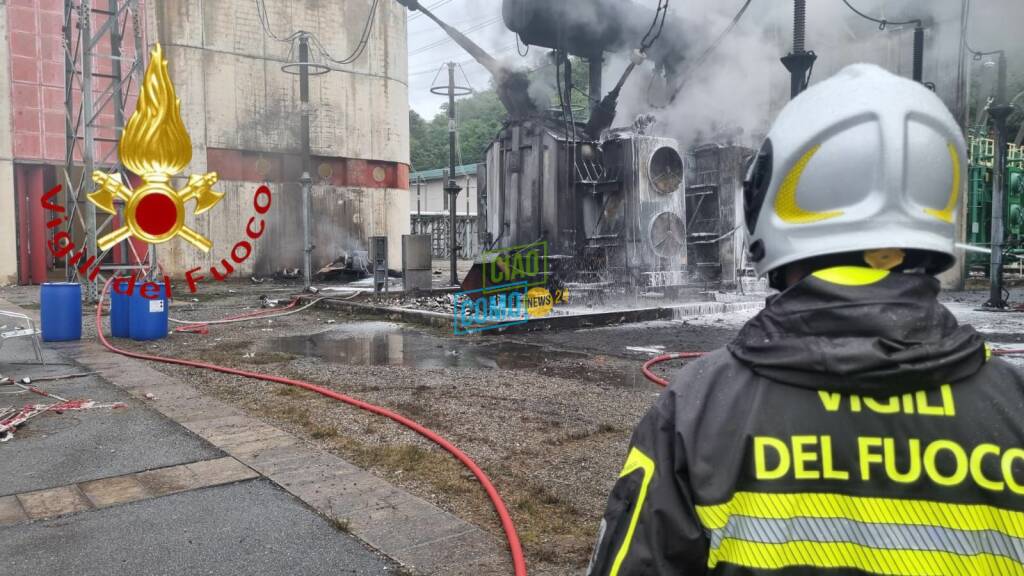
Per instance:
(882,22)
(657,26)
(711,48)
(357,52)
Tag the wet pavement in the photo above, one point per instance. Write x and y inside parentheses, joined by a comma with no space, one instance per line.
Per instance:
(251,527)
(129,491)
(388,344)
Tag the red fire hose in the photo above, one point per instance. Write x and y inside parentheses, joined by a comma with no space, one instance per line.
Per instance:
(518,561)
(646,369)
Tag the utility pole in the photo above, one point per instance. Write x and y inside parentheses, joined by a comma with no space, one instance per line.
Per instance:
(799,61)
(451,187)
(919,52)
(451,90)
(999,110)
(307,162)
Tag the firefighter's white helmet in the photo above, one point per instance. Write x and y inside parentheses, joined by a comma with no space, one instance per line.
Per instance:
(865,160)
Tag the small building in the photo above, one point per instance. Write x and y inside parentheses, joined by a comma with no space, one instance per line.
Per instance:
(429,209)
(428,196)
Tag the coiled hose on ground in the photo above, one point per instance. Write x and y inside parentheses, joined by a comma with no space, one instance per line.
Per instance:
(515,548)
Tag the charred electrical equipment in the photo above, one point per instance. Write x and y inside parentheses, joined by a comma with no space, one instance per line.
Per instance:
(610,202)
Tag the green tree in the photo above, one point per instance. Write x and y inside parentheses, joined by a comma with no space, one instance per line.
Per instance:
(480,117)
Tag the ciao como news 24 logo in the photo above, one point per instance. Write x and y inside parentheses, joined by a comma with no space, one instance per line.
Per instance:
(156,146)
(515,290)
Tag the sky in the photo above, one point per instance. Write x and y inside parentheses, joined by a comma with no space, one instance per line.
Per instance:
(430,48)
(746,61)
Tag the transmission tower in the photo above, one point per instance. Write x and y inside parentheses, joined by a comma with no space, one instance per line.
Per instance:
(98,82)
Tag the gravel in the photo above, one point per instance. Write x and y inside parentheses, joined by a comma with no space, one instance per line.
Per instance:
(551,432)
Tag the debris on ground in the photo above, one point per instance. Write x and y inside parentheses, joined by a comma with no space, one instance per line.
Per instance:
(9,424)
(28,380)
(346,267)
(11,418)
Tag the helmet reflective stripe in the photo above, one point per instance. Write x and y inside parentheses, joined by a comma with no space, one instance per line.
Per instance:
(946,214)
(865,160)
(786,205)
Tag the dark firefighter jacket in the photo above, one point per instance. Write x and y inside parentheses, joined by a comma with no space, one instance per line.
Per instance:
(852,427)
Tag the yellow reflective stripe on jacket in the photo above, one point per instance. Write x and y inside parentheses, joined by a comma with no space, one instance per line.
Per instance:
(636,460)
(878,535)
(844,555)
(864,509)
(851,275)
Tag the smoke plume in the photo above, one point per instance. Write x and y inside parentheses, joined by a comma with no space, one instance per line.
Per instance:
(740,88)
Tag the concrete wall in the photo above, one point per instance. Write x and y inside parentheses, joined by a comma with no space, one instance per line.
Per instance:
(429,195)
(8,227)
(235,98)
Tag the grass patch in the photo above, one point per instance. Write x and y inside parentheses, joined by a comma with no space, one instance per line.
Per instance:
(288,392)
(294,414)
(341,524)
(321,432)
(551,528)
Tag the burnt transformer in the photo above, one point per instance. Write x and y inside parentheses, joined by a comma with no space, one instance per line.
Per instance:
(716,237)
(611,211)
(609,203)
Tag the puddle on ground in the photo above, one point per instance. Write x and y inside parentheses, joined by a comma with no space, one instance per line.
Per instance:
(386,344)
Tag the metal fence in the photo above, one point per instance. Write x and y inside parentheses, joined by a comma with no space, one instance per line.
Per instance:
(436,225)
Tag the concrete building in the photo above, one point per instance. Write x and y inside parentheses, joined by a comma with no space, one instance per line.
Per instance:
(429,210)
(427,195)
(242,112)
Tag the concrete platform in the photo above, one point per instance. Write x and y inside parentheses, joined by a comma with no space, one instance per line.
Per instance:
(446,321)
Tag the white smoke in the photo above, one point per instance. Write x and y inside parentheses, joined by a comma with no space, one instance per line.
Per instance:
(740,88)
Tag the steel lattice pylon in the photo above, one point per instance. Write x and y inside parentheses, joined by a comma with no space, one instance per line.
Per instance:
(93,35)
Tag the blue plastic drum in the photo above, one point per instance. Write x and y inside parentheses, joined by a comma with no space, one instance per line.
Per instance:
(60,311)
(147,319)
(119,304)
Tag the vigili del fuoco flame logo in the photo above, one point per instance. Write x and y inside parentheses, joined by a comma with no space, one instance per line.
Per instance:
(156,146)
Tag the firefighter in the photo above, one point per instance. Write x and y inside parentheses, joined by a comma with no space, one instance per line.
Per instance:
(853,426)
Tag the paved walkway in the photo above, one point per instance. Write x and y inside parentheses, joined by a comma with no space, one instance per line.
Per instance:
(185,484)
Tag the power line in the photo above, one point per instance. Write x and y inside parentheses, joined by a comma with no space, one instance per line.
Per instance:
(967,44)
(466,22)
(444,41)
(882,22)
(418,13)
(522,53)
(357,52)
(363,40)
(714,45)
(261,11)
(659,23)
(495,51)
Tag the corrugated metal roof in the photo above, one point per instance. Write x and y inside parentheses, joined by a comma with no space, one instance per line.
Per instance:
(428,175)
